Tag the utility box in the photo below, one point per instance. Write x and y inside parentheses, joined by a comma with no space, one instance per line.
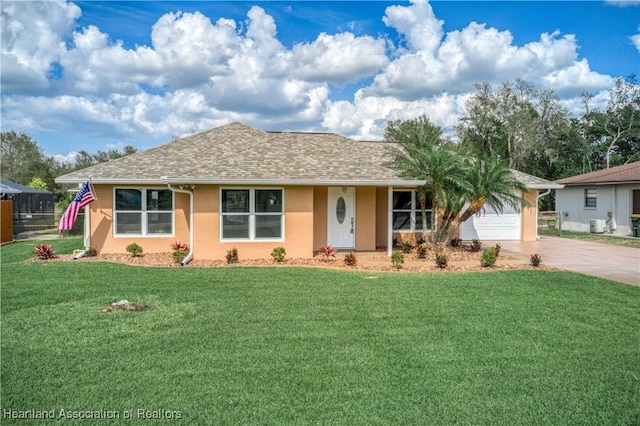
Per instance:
(635,225)
(597,226)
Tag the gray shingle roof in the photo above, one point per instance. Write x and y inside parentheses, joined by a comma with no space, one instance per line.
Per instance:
(237,153)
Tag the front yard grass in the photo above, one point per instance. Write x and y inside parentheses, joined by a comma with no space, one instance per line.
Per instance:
(236,345)
(594,238)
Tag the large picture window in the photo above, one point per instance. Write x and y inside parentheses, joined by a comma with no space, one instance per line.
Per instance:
(252,214)
(407,212)
(143,211)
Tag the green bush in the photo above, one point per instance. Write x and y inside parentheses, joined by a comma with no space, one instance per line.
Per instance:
(488,258)
(179,255)
(442,259)
(232,256)
(279,254)
(407,246)
(134,249)
(422,250)
(397,259)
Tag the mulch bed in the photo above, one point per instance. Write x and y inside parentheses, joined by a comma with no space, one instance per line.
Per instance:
(460,259)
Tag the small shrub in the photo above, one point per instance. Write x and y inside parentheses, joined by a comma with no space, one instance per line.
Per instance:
(395,242)
(134,249)
(476,245)
(497,248)
(327,252)
(442,259)
(420,241)
(407,246)
(279,254)
(179,246)
(44,252)
(91,252)
(232,256)
(422,250)
(397,259)
(488,258)
(179,255)
(455,242)
(350,259)
(535,260)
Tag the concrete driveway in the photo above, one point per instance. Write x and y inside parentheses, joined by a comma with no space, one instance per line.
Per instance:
(601,260)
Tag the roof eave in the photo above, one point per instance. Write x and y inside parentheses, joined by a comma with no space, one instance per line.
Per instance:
(294,182)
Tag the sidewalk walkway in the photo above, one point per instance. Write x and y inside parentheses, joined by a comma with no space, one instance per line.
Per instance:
(601,260)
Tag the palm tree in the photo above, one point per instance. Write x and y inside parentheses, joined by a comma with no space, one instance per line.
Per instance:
(490,183)
(421,153)
(460,186)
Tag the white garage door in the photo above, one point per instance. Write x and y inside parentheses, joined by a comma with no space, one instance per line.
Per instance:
(492,226)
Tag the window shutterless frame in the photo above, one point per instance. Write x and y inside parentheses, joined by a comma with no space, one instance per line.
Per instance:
(251,214)
(143,212)
(590,198)
(407,214)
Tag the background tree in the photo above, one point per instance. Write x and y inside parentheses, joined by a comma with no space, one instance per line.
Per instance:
(22,159)
(614,134)
(460,184)
(38,183)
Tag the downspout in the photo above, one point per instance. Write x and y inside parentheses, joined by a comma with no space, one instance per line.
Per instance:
(189,255)
(544,194)
(612,226)
(389,221)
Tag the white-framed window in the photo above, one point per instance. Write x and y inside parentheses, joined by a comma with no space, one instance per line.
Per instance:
(143,212)
(407,212)
(249,214)
(591,198)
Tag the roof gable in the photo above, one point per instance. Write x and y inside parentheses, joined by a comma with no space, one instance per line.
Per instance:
(627,173)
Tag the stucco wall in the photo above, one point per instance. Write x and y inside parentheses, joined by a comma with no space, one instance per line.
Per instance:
(102,232)
(320,218)
(366,218)
(298,226)
(382,216)
(616,199)
(530,216)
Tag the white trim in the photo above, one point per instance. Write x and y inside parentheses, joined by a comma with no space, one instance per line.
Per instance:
(252,216)
(389,221)
(189,255)
(144,212)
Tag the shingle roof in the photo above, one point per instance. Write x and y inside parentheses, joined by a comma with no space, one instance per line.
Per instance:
(627,173)
(236,153)
(534,182)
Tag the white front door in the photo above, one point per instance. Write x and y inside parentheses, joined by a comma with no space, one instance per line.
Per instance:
(341,226)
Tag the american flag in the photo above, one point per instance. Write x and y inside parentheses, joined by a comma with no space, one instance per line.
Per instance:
(84,197)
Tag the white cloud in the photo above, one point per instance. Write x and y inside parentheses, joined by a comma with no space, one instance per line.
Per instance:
(623,3)
(197,74)
(339,58)
(33,36)
(635,39)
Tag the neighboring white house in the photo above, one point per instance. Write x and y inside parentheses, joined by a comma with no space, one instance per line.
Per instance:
(601,201)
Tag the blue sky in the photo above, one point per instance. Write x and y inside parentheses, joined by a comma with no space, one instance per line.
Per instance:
(96,75)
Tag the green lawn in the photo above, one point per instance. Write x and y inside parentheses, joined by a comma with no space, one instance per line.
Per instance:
(266,346)
(594,238)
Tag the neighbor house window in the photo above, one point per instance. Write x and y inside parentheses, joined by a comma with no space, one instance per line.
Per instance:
(407,211)
(590,198)
(252,214)
(143,211)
